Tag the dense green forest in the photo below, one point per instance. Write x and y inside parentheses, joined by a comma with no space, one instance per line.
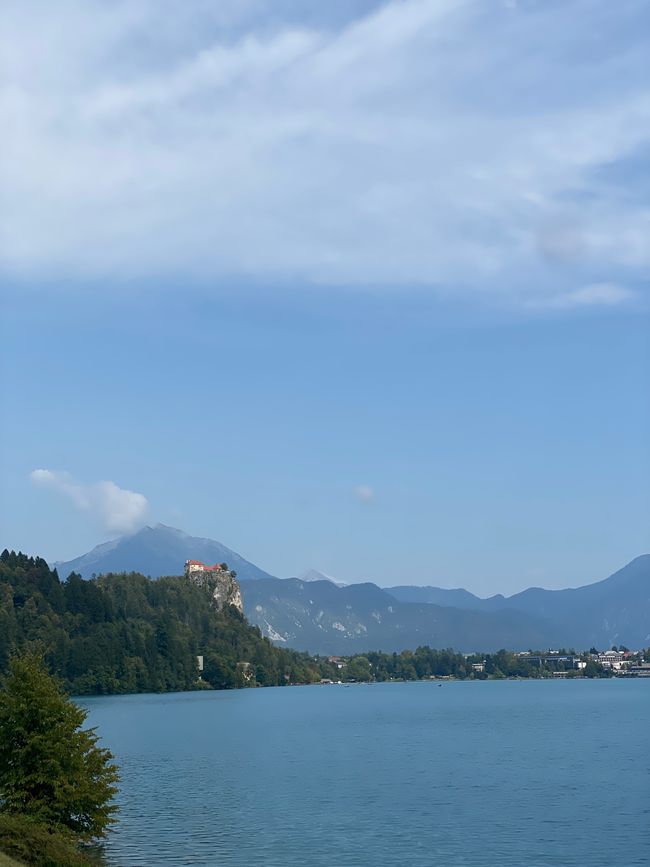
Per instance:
(124,633)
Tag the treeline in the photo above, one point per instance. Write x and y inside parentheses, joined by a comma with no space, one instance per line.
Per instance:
(125,633)
(426,662)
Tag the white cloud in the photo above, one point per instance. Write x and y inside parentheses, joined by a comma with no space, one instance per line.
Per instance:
(427,143)
(594,295)
(116,509)
(364,493)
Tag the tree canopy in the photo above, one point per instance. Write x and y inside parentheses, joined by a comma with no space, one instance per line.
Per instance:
(52,769)
(124,633)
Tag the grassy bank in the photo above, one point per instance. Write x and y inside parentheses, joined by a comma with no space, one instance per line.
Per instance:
(27,843)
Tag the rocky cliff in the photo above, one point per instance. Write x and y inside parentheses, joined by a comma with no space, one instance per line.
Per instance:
(224,586)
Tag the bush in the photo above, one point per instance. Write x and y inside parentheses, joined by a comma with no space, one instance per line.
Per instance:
(34,844)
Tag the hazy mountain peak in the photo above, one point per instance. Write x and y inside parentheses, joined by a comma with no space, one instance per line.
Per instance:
(157,551)
(165,528)
(314,575)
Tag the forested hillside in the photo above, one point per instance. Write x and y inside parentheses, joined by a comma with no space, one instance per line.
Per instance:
(123,633)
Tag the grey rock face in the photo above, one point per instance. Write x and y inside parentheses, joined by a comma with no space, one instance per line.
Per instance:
(224,586)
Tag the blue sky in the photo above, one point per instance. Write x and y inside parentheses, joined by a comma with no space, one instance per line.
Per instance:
(354,286)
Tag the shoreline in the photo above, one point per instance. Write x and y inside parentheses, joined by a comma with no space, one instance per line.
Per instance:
(432,680)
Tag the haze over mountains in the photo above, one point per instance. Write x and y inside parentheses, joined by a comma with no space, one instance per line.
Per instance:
(316,614)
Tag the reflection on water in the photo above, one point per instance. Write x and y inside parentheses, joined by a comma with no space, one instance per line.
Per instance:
(473,774)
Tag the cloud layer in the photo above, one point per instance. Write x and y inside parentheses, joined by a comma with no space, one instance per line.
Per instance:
(116,509)
(478,148)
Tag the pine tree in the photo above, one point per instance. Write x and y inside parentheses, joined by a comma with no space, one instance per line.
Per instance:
(50,768)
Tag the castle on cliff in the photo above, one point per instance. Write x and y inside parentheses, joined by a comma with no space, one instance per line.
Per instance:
(221,581)
(193,567)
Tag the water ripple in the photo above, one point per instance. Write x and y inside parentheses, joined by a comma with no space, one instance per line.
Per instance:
(475,775)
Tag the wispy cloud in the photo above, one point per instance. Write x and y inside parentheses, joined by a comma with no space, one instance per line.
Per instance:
(422,143)
(594,295)
(116,509)
(364,493)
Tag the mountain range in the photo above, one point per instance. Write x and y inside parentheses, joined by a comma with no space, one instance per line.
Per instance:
(316,614)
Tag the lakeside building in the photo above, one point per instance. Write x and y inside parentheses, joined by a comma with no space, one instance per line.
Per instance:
(614,659)
(553,658)
(641,669)
(338,661)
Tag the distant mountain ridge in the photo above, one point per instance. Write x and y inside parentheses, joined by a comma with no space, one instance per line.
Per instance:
(315,613)
(614,610)
(323,618)
(457,598)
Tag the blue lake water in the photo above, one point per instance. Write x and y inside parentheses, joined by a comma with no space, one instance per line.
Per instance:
(478,774)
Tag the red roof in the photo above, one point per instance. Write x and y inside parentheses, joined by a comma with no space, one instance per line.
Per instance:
(215,568)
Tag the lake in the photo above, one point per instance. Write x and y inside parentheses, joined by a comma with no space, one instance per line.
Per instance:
(478,774)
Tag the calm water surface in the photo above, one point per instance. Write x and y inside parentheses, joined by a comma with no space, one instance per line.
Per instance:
(478,774)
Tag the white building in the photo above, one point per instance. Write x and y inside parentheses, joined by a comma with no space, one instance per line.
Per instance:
(613,659)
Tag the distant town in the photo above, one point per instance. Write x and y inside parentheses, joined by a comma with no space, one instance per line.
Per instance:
(428,664)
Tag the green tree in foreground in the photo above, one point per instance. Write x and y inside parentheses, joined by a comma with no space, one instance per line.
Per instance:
(51,769)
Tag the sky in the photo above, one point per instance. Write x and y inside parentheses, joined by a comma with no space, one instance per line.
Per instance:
(355,286)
